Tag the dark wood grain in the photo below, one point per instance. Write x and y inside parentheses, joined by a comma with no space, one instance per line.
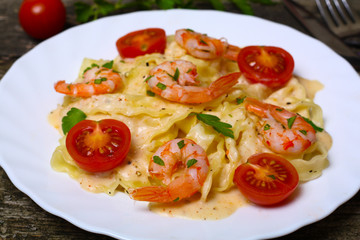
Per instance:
(21,218)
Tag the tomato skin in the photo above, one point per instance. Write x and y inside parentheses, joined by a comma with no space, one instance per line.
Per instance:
(88,143)
(268,169)
(141,42)
(271,66)
(42,19)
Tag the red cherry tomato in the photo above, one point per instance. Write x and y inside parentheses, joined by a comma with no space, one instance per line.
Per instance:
(266,178)
(138,43)
(42,19)
(271,66)
(98,146)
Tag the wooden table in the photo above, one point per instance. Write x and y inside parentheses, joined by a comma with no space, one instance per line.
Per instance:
(21,218)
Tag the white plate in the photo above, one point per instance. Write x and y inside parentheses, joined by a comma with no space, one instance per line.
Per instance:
(27,140)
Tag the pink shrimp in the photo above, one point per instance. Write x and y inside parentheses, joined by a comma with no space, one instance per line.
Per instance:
(97,80)
(205,47)
(180,153)
(176,81)
(282,131)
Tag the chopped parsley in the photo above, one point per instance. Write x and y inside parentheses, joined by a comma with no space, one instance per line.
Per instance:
(267,127)
(148,78)
(108,64)
(316,128)
(303,132)
(181,144)
(158,161)
(176,75)
(290,121)
(191,162)
(161,86)
(100,80)
(150,93)
(240,100)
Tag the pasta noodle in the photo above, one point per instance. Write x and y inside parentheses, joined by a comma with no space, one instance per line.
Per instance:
(153,121)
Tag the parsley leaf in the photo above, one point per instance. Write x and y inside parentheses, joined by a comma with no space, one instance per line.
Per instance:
(181,144)
(108,64)
(316,128)
(290,121)
(214,121)
(72,117)
(191,162)
(158,161)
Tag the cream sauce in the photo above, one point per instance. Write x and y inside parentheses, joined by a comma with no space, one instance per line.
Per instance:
(217,206)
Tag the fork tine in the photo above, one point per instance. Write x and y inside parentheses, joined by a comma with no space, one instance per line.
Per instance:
(354,17)
(325,14)
(339,17)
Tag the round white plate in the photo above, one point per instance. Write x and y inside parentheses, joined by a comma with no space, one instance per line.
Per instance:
(27,140)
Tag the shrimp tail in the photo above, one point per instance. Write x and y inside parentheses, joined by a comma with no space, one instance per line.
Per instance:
(151,194)
(255,106)
(223,84)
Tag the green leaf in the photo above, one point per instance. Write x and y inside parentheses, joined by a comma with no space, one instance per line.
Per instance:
(108,64)
(165,4)
(72,117)
(83,12)
(316,128)
(244,6)
(290,121)
(217,5)
(240,100)
(161,86)
(150,93)
(158,161)
(104,7)
(267,127)
(191,162)
(214,121)
(181,144)
(303,132)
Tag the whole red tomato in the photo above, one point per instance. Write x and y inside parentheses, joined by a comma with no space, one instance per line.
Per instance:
(42,19)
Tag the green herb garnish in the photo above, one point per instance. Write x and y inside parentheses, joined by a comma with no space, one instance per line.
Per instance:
(303,132)
(158,161)
(191,162)
(148,78)
(290,121)
(176,75)
(86,12)
(267,127)
(214,121)
(72,117)
(108,64)
(161,86)
(181,144)
(100,80)
(150,93)
(240,100)
(316,128)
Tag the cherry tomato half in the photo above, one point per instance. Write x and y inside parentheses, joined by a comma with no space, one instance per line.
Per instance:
(138,43)
(271,66)
(42,19)
(266,178)
(98,146)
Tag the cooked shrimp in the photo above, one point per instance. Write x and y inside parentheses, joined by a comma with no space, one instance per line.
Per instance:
(282,131)
(205,47)
(180,153)
(176,81)
(97,80)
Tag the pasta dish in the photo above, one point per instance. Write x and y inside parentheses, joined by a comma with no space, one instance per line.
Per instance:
(193,101)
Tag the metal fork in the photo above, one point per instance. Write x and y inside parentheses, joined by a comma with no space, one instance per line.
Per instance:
(339,17)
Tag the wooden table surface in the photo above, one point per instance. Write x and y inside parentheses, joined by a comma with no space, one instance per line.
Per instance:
(21,218)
